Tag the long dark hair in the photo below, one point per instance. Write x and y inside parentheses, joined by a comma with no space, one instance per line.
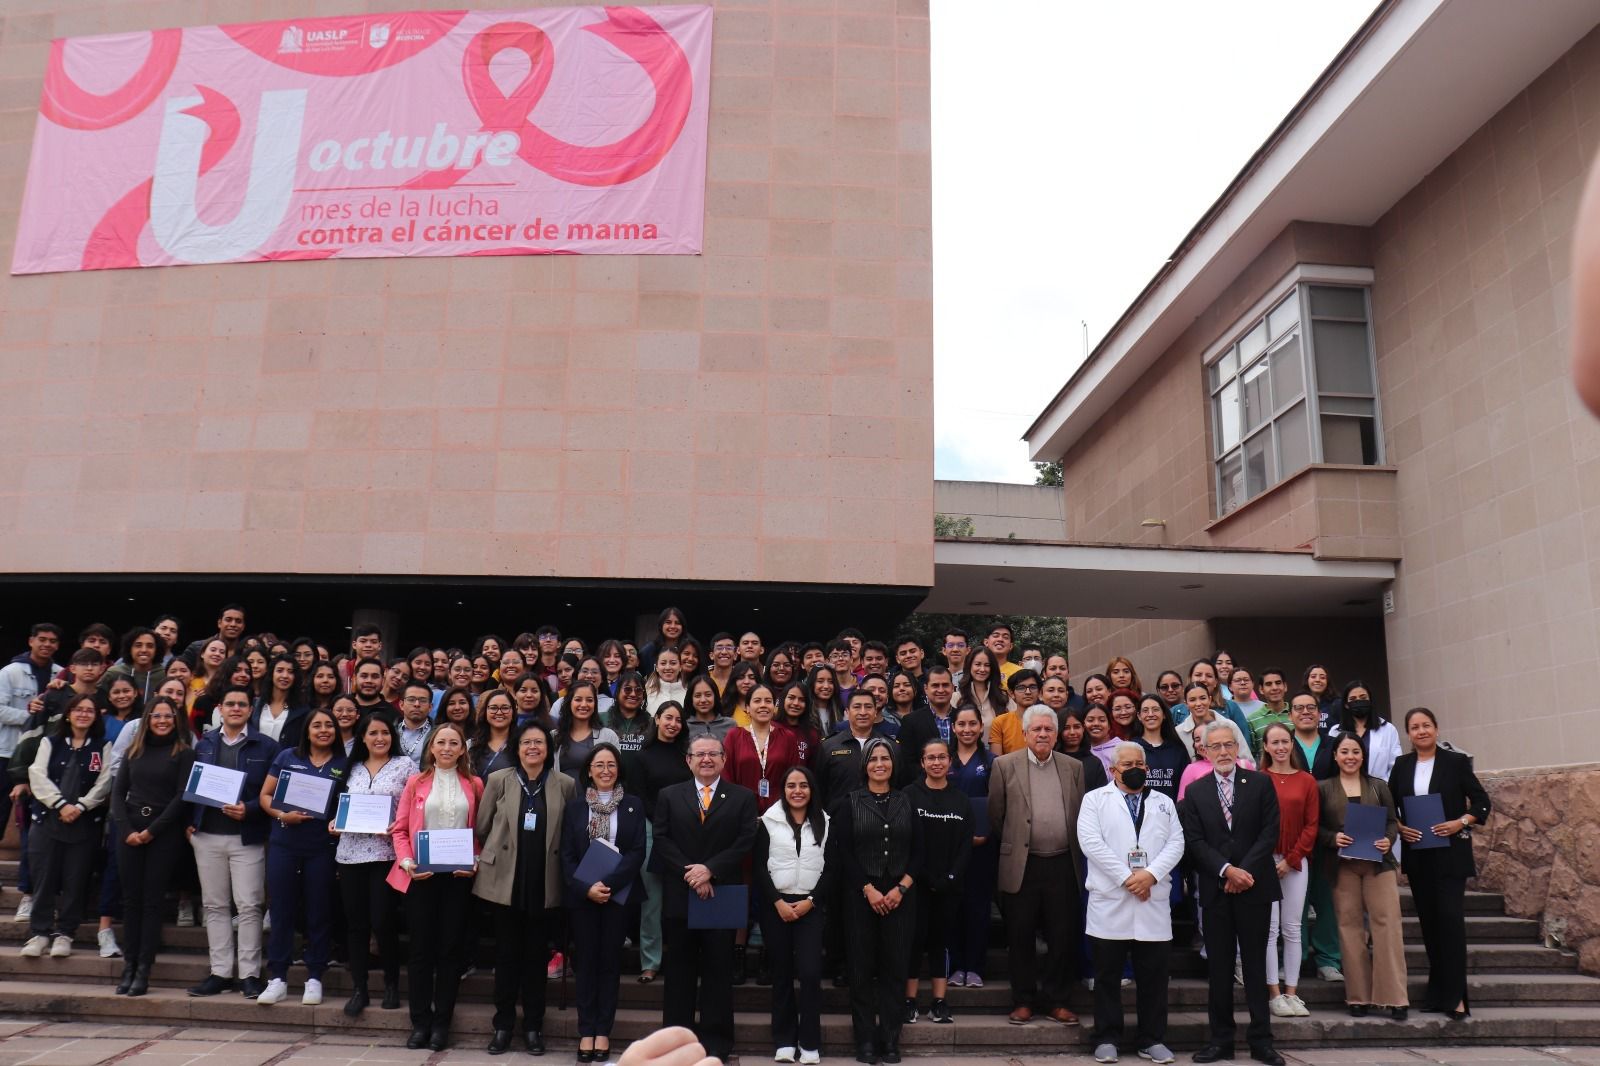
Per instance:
(1169,732)
(181,739)
(996,696)
(97,728)
(652,736)
(808,717)
(358,751)
(303,748)
(564,738)
(835,704)
(483,732)
(816,817)
(730,695)
(1347,721)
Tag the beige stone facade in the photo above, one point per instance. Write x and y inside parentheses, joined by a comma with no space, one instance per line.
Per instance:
(1490,496)
(762,412)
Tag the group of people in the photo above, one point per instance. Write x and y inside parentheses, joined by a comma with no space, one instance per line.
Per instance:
(848,808)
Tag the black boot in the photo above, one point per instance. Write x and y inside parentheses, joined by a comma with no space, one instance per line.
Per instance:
(141,980)
(740,975)
(357,1002)
(391,991)
(126,980)
(764,969)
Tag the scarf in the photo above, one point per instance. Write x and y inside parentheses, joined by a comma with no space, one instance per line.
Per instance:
(600,812)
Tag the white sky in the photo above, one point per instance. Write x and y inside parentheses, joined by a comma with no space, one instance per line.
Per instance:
(1074,144)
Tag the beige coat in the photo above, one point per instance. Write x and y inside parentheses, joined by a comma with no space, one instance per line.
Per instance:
(500,825)
(1011,815)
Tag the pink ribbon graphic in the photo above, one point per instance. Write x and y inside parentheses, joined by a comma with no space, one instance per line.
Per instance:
(68,104)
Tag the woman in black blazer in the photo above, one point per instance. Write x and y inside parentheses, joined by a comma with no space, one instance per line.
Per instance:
(604,811)
(1438,876)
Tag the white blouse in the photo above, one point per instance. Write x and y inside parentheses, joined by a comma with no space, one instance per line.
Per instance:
(391,781)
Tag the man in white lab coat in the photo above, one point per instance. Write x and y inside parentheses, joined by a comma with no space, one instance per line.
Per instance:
(1131,840)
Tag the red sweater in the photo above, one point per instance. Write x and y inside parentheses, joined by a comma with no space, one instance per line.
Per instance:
(1299,808)
(743,765)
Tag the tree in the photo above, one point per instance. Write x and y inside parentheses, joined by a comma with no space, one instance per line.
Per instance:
(945,525)
(1048,474)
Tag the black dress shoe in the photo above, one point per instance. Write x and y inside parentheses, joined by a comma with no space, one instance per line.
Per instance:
(1399,1014)
(252,987)
(865,1053)
(1268,1055)
(1358,1010)
(585,1054)
(533,1041)
(212,986)
(356,1003)
(500,1042)
(126,980)
(391,994)
(440,1038)
(1213,1053)
(141,981)
(891,1052)
(418,1037)
(1457,1015)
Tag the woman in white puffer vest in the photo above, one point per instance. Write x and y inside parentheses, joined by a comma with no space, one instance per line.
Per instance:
(793,878)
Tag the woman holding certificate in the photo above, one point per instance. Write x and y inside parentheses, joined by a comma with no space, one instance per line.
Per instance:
(519,874)
(1442,800)
(602,851)
(378,775)
(298,796)
(1356,830)
(436,862)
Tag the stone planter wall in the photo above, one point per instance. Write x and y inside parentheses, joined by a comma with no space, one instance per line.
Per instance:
(1541,850)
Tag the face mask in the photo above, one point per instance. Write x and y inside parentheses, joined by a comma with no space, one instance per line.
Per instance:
(1360,708)
(1036,665)
(1133,778)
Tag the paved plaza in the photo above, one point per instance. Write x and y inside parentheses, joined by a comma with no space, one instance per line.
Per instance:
(25,1042)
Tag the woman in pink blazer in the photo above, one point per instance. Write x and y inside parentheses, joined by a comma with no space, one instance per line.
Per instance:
(443,796)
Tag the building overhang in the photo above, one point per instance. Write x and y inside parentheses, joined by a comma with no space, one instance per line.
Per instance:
(973,576)
(1416,81)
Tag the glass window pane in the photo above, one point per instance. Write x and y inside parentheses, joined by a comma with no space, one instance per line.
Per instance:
(1228,365)
(1258,464)
(1345,405)
(1349,440)
(1294,440)
(1227,416)
(1230,484)
(1338,302)
(1282,319)
(1288,372)
(1251,343)
(1255,396)
(1343,362)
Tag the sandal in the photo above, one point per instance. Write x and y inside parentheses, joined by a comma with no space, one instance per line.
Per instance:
(646,976)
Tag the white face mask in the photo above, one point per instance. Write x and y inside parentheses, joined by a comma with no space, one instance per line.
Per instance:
(1036,665)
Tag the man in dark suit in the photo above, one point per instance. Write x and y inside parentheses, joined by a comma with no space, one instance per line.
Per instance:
(927,723)
(704,829)
(1230,824)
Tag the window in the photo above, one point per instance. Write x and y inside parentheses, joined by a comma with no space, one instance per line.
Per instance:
(1298,386)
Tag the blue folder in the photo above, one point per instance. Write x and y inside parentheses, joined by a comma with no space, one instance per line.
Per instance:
(598,864)
(729,908)
(1423,813)
(1364,823)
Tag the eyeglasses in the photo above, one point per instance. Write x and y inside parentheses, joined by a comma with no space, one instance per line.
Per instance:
(1224,745)
(1025,687)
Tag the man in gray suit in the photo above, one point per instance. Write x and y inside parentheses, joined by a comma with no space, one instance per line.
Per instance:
(1034,796)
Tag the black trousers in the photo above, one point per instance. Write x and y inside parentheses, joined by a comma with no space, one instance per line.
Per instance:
(146,870)
(1441,902)
(436,919)
(1045,903)
(697,972)
(937,925)
(1149,970)
(880,947)
(60,868)
(597,930)
(521,957)
(371,908)
(1237,927)
(794,950)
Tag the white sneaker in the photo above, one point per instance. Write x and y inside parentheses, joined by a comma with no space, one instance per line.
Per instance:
(61,947)
(1127,982)
(1300,1008)
(1157,1053)
(313,992)
(24,910)
(1329,973)
(973,980)
(276,989)
(1105,1053)
(186,915)
(810,1058)
(34,947)
(266,922)
(783,1054)
(1088,982)
(1282,1007)
(109,948)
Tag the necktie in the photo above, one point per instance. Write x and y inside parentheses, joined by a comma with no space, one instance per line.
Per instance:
(1225,794)
(1132,800)
(705,801)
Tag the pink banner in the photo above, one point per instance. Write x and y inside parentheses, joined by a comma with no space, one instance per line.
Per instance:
(556,130)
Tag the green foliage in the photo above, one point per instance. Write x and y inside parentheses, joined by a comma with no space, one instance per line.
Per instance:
(945,525)
(1048,473)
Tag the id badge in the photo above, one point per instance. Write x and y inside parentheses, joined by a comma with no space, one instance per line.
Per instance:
(764,789)
(1138,859)
(530,820)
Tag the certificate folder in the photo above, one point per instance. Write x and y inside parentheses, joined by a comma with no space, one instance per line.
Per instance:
(306,793)
(1423,813)
(1364,823)
(364,813)
(599,863)
(444,850)
(214,786)
(728,909)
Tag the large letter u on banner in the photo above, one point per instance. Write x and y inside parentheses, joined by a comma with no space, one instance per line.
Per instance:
(174,221)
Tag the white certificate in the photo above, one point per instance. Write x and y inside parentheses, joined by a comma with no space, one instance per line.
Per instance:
(364,814)
(444,849)
(214,786)
(303,792)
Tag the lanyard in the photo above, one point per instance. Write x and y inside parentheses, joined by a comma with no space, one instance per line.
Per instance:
(538,786)
(761,749)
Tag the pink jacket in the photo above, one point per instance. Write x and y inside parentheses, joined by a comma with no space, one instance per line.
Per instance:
(410,817)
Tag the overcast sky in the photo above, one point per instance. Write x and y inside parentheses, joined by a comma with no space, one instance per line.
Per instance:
(1074,144)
